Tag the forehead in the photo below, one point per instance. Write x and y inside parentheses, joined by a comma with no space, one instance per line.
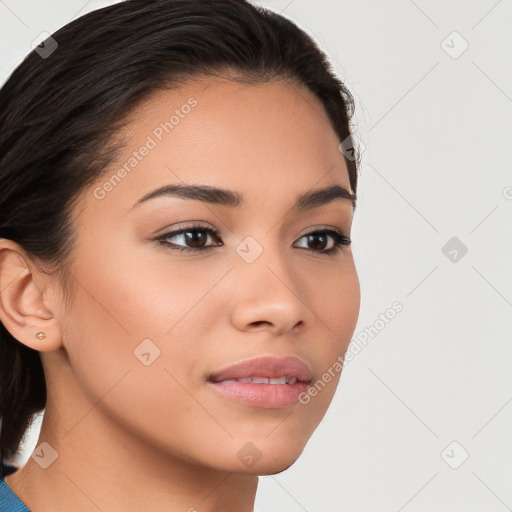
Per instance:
(257,139)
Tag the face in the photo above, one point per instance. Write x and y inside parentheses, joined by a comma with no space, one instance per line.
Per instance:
(174,289)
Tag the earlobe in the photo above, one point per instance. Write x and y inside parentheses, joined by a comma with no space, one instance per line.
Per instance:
(22,308)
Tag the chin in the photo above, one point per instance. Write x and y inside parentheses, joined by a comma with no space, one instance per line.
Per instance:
(275,468)
(275,459)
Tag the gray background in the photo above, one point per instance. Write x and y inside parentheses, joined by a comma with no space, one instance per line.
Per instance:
(422,417)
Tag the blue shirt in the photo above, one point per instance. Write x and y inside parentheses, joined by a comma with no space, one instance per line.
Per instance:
(9,501)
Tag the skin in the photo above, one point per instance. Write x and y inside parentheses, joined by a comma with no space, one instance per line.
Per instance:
(132,437)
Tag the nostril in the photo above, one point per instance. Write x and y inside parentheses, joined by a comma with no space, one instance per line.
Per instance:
(257,324)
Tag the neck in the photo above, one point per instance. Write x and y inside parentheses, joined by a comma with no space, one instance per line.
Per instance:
(100,466)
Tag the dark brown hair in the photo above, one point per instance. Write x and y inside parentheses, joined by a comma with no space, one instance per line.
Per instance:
(59,114)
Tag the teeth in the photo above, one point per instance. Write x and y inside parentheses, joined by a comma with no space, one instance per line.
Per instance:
(259,380)
(280,380)
(264,380)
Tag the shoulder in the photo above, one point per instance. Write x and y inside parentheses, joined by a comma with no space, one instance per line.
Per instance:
(9,501)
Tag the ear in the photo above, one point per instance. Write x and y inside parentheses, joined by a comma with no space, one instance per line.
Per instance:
(22,308)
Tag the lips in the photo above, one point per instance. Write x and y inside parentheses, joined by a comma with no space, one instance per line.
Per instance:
(264,382)
(266,370)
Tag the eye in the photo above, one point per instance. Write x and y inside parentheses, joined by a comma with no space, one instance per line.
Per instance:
(321,238)
(195,236)
(195,239)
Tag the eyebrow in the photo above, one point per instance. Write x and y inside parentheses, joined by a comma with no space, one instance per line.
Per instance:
(222,197)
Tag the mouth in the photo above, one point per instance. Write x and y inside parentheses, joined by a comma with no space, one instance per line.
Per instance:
(264,380)
(267,382)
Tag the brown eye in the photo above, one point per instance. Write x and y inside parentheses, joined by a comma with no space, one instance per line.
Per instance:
(192,238)
(318,240)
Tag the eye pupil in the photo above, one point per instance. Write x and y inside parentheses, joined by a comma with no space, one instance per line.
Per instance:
(314,239)
(195,237)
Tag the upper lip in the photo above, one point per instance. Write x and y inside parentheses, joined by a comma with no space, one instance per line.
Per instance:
(269,367)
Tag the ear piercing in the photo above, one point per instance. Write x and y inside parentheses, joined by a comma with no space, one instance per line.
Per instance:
(40,335)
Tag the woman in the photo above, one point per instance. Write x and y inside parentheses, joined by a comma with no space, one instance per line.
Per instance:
(178,288)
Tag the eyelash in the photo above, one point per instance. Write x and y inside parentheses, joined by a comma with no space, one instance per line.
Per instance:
(339,239)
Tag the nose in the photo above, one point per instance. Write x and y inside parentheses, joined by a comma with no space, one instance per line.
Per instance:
(269,296)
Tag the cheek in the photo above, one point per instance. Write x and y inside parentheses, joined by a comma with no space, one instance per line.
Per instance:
(146,293)
(335,298)
(136,327)
(336,304)
(131,373)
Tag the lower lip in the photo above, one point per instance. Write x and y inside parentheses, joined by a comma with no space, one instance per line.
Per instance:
(269,396)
